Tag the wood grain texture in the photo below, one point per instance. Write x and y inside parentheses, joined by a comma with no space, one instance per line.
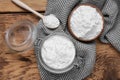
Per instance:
(9,6)
(23,66)
(16,66)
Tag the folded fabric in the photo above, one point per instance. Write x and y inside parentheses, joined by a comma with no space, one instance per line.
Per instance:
(111,33)
(86,52)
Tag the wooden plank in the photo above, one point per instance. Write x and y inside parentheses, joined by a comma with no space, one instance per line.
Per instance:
(23,66)
(9,6)
(14,66)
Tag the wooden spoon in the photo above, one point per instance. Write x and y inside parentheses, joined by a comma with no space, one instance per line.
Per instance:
(52,24)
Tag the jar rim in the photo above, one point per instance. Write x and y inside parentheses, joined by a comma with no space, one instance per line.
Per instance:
(28,42)
(52,70)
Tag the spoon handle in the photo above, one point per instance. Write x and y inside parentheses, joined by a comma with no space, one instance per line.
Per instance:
(23,5)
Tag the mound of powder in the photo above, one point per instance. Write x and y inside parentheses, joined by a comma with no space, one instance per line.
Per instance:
(58,52)
(86,22)
(51,21)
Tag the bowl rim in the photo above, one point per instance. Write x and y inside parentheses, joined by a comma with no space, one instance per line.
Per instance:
(69,18)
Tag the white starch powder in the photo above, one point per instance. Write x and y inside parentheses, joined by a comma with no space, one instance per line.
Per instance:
(51,21)
(58,52)
(86,22)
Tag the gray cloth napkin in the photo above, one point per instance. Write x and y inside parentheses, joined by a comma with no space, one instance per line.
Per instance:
(86,52)
(111,33)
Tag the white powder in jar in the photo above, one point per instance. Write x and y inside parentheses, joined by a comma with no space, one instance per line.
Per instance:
(86,22)
(51,21)
(58,52)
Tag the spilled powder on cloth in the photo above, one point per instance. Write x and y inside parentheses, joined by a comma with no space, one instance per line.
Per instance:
(86,23)
(58,52)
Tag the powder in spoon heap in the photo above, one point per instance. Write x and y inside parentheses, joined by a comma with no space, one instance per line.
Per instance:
(58,52)
(86,22)
(51,21)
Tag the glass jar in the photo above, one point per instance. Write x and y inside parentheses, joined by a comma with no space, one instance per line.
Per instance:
(21,35)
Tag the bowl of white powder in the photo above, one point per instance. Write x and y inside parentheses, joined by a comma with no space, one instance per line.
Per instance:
(57,53)
(86,22)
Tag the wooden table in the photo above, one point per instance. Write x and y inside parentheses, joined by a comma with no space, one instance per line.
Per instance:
(23,66)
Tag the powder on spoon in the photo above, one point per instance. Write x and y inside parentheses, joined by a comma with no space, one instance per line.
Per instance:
(58,52)
(51,21)
(86,22)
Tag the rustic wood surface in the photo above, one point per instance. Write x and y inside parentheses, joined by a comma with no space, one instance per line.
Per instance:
(8,6)
(23,66)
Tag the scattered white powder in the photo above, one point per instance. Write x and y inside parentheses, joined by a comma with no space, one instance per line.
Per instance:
(86,22)
(51,21)
(58,52)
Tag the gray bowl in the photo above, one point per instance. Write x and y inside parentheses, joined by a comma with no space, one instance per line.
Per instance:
(56,71)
